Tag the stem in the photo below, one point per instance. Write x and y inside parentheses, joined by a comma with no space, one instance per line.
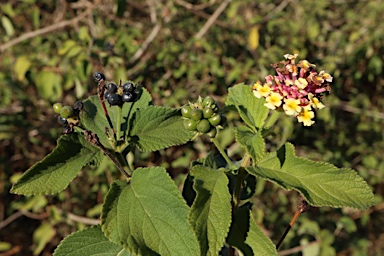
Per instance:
(272,119)
(118,122)
(124,162)
(222,152)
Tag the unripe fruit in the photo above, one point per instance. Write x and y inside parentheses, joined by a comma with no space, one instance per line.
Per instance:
(208,101)
(215,120)
(57,107)
(186,111)
(190,125)
(207,112)
(196,114)
(203,126)
(66,112)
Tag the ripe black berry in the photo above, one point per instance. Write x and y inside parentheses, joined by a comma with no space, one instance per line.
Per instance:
(127,97)
(114,99)
(107,94)
(67,129)
(62,120)
(111,87)
(97,77)
(128,87)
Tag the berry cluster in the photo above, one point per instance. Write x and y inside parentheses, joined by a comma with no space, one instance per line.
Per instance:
(68,116)
(117,95)
(203,116)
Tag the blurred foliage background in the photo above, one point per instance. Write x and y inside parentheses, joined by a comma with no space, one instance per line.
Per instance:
(179,50)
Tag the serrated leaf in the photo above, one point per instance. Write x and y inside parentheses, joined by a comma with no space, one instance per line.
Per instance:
(247,237)
(210,213)
(253,142)
(89,241)
(21,67)
(53,174)
(148,216)
(321,184)
(156,128)
(258,241)
(251,109)
(93,117)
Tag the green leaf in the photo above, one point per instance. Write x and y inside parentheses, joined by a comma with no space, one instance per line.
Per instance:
(21,67)
(148,216)
(7,25)
(251,109)
(42,236)
(321,184)
(89,241)
(48,85)
(210,213)
(156,128)
(93,117)
(53,174)
(247,237)
(253,142)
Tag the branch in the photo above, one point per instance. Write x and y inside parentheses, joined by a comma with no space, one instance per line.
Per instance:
(212,19)
(46,30)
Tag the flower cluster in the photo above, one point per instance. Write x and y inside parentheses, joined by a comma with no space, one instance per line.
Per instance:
(296,89)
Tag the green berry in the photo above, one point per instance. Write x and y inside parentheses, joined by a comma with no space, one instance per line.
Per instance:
(196,114)
(203,126)
(207,112)
(186,111)
(215,120)
(208,101)
(190,124)
(212,132)
(57,107)
(66,112)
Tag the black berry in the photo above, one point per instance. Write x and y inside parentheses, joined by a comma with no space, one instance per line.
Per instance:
(97,77)
(127,97)
(62,120)
(79,105)
(111,87)
(107,94)
(128,87)
(115,99)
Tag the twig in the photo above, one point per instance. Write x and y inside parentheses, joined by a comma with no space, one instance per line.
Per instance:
(155,31)
(46,30)
(297,249)
(10,219)
(94,140)
(212,19)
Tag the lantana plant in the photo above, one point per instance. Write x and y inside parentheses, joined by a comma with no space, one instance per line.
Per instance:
(144,213)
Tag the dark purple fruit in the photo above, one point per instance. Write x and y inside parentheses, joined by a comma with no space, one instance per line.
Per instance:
(62,120)
(127,97)
(112,87)
(128,87)
(107,94)
(97,77)
(114,99)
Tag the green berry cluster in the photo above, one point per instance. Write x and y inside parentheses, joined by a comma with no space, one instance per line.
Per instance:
(68,116)
(203,116)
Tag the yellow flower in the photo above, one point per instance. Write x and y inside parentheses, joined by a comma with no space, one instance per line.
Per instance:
(274,100)
(261,90)
(306,116)
(291,107)
(315,102)
(301,83)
